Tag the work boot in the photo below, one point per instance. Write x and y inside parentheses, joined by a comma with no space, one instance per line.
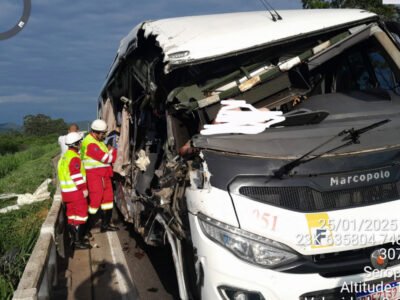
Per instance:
(106,220)
(91,222)
(72,234)
(81,243)
(77,240)
(88,235)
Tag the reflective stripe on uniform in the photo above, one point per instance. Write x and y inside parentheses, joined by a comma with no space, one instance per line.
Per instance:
(66,190)
(104,158)
(80,182)
(92,161)
(75,176)
(92,210)
(107,206)
(93,164)
(77,218)
(94,167)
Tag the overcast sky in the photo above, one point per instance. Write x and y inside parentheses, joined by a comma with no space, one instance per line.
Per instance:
(57,64)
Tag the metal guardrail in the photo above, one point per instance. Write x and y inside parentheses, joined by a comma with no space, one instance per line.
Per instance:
(40,274)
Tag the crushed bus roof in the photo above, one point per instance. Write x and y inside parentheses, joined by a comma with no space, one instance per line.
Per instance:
(198,38)
(209,36)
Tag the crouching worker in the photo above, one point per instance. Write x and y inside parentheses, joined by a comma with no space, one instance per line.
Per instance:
(71,175)
(97,160)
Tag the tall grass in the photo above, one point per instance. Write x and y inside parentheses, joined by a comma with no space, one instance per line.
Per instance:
(14,142)
(10,162)
(30,174)
(19,231)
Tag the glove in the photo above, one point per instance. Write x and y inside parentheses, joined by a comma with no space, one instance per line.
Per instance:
(85,193)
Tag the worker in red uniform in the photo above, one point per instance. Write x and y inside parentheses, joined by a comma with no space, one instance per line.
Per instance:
(97,159)
(71,175)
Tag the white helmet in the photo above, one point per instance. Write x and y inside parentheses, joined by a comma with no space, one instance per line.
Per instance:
(72,138)
(99,125)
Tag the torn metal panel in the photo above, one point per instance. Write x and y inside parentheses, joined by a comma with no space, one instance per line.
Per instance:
(107,114)
(123,160)
(129,42)
(330,52)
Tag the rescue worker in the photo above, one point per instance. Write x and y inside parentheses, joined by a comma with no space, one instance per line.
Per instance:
(72,177)
(97,159)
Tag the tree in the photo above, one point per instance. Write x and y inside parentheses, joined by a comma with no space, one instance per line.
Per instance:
(315,4)
(387,12)
(41,125)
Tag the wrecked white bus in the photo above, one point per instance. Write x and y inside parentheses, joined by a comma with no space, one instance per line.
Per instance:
(297,208)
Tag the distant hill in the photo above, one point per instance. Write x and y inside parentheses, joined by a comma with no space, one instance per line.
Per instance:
(4,127)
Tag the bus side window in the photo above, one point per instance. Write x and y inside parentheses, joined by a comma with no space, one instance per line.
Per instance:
(361,75)
(383,73)
(352,73)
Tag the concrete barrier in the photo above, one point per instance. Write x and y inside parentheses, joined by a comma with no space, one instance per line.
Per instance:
(40,274)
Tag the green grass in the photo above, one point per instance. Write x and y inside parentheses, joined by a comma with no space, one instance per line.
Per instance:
(18,230)
(7,202)
(10,162)
(16,142)
(29,175)
(25,162)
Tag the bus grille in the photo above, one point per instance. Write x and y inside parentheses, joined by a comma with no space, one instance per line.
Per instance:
(307,199)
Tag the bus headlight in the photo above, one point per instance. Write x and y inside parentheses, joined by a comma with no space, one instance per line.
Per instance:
(247,246)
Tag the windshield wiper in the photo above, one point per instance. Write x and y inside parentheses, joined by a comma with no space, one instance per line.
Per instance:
(302,116)
(351,136)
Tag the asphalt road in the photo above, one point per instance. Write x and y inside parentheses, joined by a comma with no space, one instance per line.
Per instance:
(151,268)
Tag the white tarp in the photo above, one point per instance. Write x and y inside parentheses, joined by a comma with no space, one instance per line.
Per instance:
(231,118)
(40,194)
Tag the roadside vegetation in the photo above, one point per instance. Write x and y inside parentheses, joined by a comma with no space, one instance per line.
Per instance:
(25,162)
(386,11)
(24,170)
(19,231)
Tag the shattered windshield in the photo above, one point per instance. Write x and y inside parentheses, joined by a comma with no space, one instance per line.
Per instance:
(345,72)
